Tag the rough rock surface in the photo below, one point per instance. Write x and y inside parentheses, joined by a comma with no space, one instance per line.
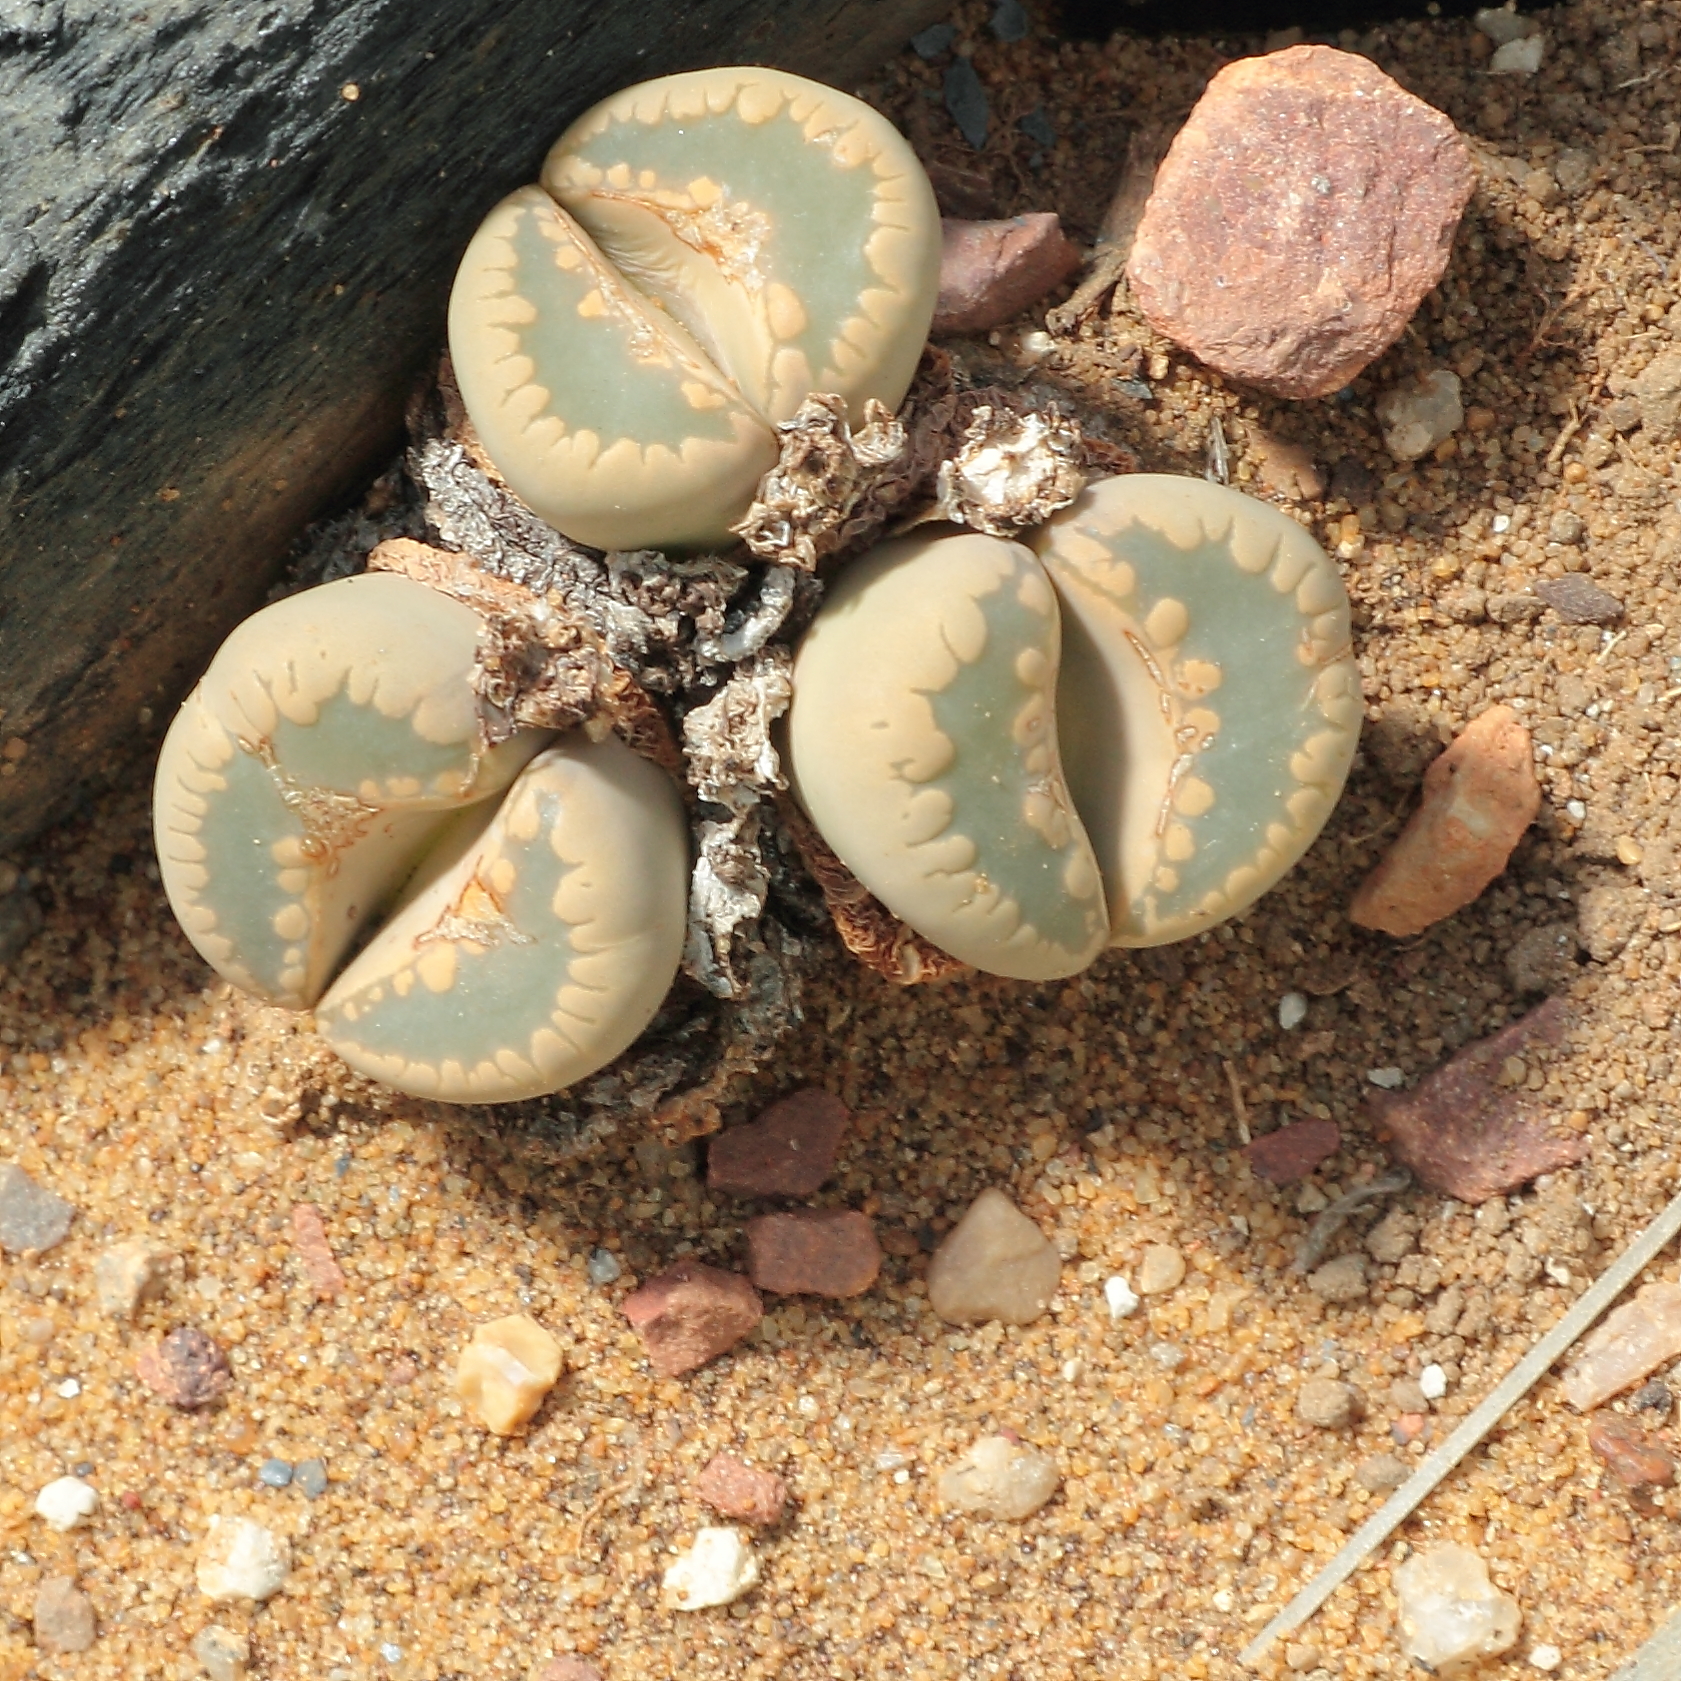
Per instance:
(1301,214)
(813,1252)
(32,1218)
(225,247)
(691,1314)
(990,271)
(1471,1128)
(1451,1616)
(789,1151)
(1479,797)
(129,1274)
(739,1490)
(187,1369)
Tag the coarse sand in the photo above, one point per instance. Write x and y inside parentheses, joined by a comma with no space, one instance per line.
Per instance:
(1111,1108)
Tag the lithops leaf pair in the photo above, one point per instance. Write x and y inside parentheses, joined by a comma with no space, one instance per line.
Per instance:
(703,252)
(1020,784)
(330,776)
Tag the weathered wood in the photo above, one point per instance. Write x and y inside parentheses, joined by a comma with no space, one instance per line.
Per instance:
(227,233)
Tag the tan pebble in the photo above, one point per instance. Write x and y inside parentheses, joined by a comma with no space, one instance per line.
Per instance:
(1341,1280)
(1161,1270)
(1329,1403)
(64,1620)
(226,1656)
(739,1490)
(1001,1478)
(995,1263)
(1629,850)
(505,1372)
(128,1275)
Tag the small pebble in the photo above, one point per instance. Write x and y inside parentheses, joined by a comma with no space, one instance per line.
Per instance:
(1393,1238)
(739,1490)
(1009,20)
(1162,1269)
(1383,1473)
(127,1275)
(1434,1382)
(1292,1011)
(1545,1658)
(505,1372)
(32,1218)
(603,1267)
(1298,1659)
(1518,58)
(992,271)
(1501,25)
(1420,413)
(813,1251)
(1451,1615)
(274,1473)
(1406,1396)
(310,1475)
(187,1369)
(717,1570)
(1122,1298)
(1292,1151)
(1001,1478)
(966,101)
(1626,1347)
(789,1151)
(1578,601)
(225,1655)
(690,1314)
(315,1252)
(64,1620)
(240,1560)
(1341,1280)
(66,1501)
(1329,1404)
(934,40)
(1389,1079)
(1636,1459)
(1653,1397)
(994,1264)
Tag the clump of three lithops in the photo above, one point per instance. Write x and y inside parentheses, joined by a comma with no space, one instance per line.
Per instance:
(704,253)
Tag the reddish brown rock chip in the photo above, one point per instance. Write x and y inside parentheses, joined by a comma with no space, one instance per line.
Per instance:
(1465,1130)
(1293,1151)
(990,271)
(187,1369)
(813,1252)
(309,1239)
(739,1490)
(1479,797)
(1634,1458)
(692,1314)
(788,1152)
(1301,214)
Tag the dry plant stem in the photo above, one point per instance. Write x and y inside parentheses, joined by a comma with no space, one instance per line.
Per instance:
(1334,1218)
(1511,1388)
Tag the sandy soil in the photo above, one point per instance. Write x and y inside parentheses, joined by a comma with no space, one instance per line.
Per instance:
(1193,1502)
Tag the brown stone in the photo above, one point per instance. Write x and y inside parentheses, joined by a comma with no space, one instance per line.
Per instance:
(739,1490)
(991,271)
(692,1314)
(1479,797)
(788,1152)
(64,1620)
(309,1239)
(1293,1151)
(1464,1130)
(1578,600)
(187,1369)
(813,1252)
(1636,1459)
(1301,214)
(1285,468)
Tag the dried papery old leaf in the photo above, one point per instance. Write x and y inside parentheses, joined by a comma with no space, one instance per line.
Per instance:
(1011,469)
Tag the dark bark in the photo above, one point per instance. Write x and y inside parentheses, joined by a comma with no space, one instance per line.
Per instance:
(218,276)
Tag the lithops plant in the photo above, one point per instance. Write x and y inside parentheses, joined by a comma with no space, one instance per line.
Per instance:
(923,744)
(1197,723)
(1209,701)
(331,774)
(704,252)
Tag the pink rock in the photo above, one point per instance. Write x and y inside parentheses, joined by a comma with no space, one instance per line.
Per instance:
(788,1152)
(1293,1151)
(1466,1132)
(990,271)
(691,1314)
(567,1668)
(739,1490)
(1636,1339)
(1479,797)
(1301,214)
(813,1252)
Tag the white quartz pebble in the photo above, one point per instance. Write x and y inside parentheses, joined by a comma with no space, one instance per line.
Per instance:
(1001,1478)
(717,1570)
(1121,1297)
(1292,1011)
(65,1501)
(1452,1616)
(1434,1382)
(240,1560)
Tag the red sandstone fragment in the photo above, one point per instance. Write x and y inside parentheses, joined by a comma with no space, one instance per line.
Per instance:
(813,1252)
(1293,1151)
(309,1239)
(1479,797)
(1472,1129)
(691,1314)
(788,1152)
(990,271)
(1638,1461)
(187,1369)
(1298,219)
(739,1490)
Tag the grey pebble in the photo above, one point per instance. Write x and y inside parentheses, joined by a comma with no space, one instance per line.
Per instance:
(20,922)
(226,1656)
(1341,1280)
(1578,600)
(311,1476)
(966,101)
(603,1266)
(1543,959)
(1653,1397)
(1383,1473)
(1037,127)
(32,1218)
(275,1473)
(1329,1403)
(1009,20)
(934,40)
